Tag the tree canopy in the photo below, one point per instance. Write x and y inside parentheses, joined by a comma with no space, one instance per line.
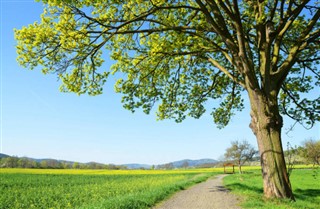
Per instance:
(179,55)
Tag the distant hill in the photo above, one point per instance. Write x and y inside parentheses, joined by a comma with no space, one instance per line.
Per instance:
(192,163)
(137,166)
(175,164)
(48,159)
(170,165)
(3,155)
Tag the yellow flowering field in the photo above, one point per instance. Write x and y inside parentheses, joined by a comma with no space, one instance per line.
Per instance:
(105,172)
(49,188)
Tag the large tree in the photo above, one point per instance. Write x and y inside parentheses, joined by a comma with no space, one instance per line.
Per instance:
(180,55)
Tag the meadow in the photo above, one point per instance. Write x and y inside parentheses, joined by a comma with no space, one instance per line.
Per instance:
(36,188)
(85,189)
(305,183)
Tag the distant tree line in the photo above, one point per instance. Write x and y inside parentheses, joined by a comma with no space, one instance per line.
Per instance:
(241,152)
(307,153)
(16,162)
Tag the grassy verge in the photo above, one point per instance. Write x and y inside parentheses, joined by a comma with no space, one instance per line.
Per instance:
(305,184)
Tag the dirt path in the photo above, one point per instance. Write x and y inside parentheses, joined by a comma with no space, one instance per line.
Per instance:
(206,195)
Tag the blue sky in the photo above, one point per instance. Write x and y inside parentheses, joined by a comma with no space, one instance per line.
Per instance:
(39,121)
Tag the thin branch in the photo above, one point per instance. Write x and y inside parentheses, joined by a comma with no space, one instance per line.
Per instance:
(224,70)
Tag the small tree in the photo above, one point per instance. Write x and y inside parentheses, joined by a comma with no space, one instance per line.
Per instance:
(75,165)
(44,164)
(310,151)
(240,152)
(290,157)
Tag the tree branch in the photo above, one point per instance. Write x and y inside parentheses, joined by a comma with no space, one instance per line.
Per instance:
(224,70)
(301,43)
(285,24)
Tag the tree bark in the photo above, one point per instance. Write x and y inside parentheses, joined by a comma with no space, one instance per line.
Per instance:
(266,124)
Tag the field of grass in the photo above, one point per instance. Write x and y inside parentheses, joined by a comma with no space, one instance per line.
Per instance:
(31,188)
(305,184)
(59,188)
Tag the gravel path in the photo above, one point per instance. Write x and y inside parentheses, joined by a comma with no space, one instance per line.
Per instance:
(206,195)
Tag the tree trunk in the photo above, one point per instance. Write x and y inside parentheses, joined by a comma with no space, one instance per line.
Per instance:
(266,124)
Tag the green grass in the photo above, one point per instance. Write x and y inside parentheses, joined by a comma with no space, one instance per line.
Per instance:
(25,190)
(305,184)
